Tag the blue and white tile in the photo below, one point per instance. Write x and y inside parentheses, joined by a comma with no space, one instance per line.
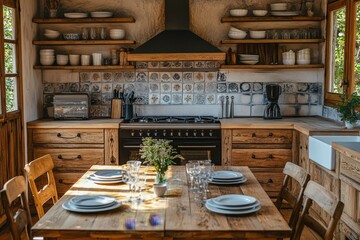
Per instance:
(233,87)
(210,76)
(199,99)
(199,76)
(106,88)
(141,77)
(258,87)
(176,87)
(73,87)
(117,76)
(142,99)
(85,87)
(106,98)
(129,87)
(129,76)
(210,87)
(165,77)
(154,76)
(221,77)
(84,76)
(188,77)
(141,65)
(210,64)
(95,77)
(107,77)
(258,98)
(153,64)
(176,77)
(188,88)
(141,87)
(95,87)
(188,64)
(154,87)
(199,87)
(315,87)
(220,99)
(245,99)
(154,98)
(165,98)
(199,64)
(188,98)
(176,64)
(221,88)
(95,98)
(210,99)
(290,87)
(165,87)
(302,87)
(245,87)
(176,98)
(257,110)
(236,97)
(314,99)
(165,64)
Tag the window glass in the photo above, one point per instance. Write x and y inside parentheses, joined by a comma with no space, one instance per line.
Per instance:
(357,52)
(9,24)
(11,94)
(337,40)
(10,58)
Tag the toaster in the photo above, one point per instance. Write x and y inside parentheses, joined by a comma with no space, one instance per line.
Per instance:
(71,106)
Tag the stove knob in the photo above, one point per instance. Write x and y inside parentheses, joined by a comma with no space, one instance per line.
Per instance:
(164,133)
(171,133)
(179,133)
(132,133)
(210,133)
(202,133)
(148,133)
(187,133)
(195,133)
(140,133)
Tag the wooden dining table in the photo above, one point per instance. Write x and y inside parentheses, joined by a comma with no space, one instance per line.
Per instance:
(181,215)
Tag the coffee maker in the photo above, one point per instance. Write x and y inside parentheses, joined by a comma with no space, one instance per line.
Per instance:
(272,110)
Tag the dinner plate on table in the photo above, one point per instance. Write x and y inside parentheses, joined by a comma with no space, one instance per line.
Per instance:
(92,201)
(104,181)
(233,200)
(222,182)
(232,212)
(223,175)
(108,174)
(73,208)
(211,203)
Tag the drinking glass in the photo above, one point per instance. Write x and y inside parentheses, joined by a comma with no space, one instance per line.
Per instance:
(102,33)
(140,184)
(93,33)
(132,177)
(85,33)
(285,34)
(191,170)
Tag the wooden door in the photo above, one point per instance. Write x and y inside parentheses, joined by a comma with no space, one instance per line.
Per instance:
(11,116)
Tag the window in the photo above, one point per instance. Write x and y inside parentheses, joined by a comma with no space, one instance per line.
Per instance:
(343,50)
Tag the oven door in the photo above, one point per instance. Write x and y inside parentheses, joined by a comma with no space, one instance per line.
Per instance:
(189,149)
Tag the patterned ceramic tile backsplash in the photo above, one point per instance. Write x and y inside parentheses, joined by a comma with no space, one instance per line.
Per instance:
(157,83)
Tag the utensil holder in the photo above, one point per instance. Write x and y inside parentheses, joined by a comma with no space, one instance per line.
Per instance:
(128,112)
(116,108)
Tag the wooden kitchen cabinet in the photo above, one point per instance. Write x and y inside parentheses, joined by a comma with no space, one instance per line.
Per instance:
(74,151)
(265,151)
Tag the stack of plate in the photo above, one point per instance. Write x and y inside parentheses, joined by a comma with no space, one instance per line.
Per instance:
(76,15)
(228,178)
(249,58)
(234,204)
(107,176)
(94,203)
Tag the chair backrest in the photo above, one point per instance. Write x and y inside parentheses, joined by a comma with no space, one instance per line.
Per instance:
(297,173)
(326,200)
(18,214)
(35,169)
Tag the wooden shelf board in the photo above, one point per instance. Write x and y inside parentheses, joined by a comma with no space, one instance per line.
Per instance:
(272,66)
(236,41)
(83,42)
(83,20)
(110,67)
(270,19)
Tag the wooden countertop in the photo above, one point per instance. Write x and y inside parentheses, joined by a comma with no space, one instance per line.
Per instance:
(92,123)
(349,148)
(306,125)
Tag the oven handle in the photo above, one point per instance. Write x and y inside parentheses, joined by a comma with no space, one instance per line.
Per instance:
(211,146)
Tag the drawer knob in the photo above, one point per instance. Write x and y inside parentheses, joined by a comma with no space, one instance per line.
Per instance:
(271,134)
(74,158)
(60,180)
(270,180)
(253,156)
(60,136)
(253,135)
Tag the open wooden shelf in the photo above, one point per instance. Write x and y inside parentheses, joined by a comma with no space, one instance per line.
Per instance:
(68,67)
(83,20)
(83,42)
(299,41)
(270,19)
(278,66)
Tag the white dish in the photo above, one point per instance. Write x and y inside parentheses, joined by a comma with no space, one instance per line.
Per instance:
(76,15)
(227,175)
(91,201)
(257,34)
(98,181)
(260,13)
(236,208)
(278,6)
(284,13)
(68,206)
(108,174)
(237,35)
(233,200)
(248,57)
(249,62)
(238,12)
(92,176)
(232,212)
(229,182)
(101,14)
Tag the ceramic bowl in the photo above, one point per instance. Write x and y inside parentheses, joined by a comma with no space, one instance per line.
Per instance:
(52,35)
(71,36)
(160,189)
(278,6)
(117,33)
(74,59)
(238,12)
(257,34)
(47,61)
(259,13)
(237,35)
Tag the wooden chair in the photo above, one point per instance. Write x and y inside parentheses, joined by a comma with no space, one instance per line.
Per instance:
(18,216)
(35,169)
(297,173)
(329,202)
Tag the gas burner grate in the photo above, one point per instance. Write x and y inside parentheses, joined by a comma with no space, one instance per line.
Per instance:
(175,119)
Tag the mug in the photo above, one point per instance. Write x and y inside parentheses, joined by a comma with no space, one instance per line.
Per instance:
(85,60)
(97,59)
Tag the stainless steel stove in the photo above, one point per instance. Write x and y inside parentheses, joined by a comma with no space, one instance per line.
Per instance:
(195,138)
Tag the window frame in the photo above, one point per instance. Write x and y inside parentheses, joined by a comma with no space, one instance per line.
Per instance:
(330,98)
(4,115)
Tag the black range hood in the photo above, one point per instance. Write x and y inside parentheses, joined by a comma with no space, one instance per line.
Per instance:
(177,42)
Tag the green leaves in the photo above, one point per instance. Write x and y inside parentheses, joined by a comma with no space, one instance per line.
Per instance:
(158,153)
(347,108)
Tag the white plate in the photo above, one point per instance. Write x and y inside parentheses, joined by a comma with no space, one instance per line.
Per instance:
(93,177)
(75,15)
(285,13)
(249,62)
(108,174)
(234,200)
(101,14)
(92,201)
(229,182)
(68,206)
(236,208)
(227,175)
(98,181)
(232,212)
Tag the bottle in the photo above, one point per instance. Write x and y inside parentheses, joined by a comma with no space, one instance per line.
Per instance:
(114,57)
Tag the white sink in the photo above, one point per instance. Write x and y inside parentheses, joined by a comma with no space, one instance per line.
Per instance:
(321,152)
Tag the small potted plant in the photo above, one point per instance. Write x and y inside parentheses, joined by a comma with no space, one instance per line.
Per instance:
(160,154)
(347,109)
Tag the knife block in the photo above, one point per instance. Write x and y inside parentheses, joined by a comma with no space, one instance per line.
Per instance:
(116,108)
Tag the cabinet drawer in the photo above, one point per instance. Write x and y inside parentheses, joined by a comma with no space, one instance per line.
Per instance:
(261,157)
(72,158)
(270,182)
(262,136)
(64,180)
(350,167)
(68,136)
